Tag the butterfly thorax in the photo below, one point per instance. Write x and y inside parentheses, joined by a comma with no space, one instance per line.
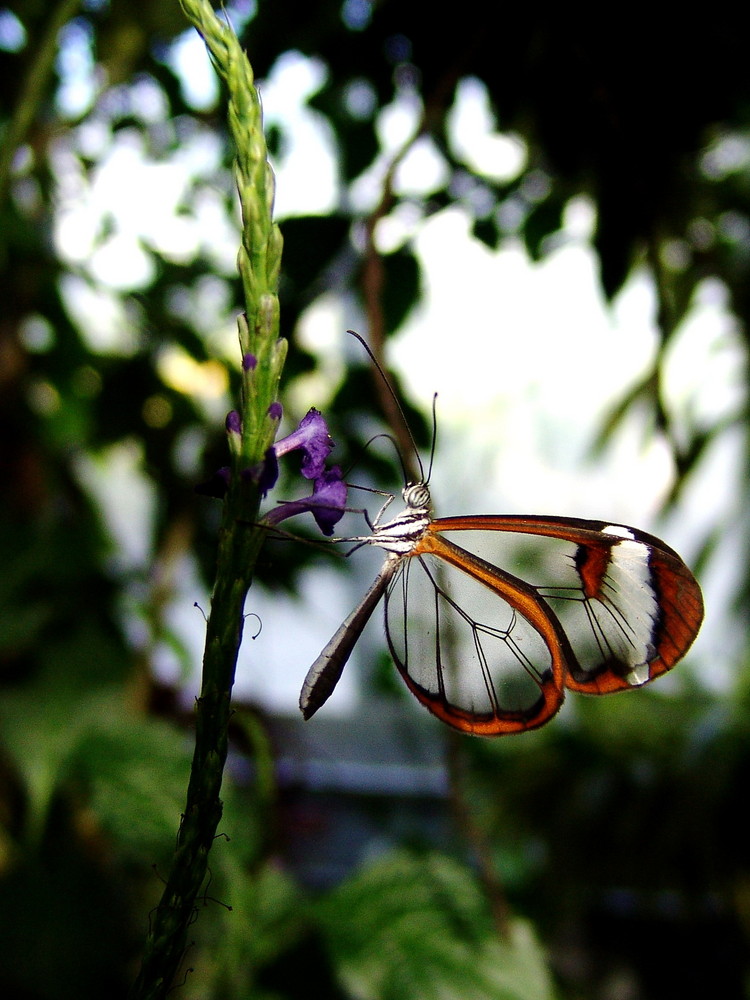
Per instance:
(399,535)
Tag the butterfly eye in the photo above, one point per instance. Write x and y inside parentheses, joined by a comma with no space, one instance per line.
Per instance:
(417,495)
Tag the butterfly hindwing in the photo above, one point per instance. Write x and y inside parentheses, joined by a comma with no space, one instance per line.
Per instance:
(483,654)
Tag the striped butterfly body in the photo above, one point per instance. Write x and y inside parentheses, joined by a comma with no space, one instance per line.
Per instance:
(491,653)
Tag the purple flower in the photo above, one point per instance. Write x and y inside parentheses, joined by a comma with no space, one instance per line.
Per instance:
(268,472)
(264,474)
(234,422)
(249,361)
(327,502)
(313,438)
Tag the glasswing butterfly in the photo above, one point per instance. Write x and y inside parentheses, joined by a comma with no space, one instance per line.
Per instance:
(490,653)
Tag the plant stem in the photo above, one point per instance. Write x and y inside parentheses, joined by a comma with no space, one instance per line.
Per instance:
(263,355)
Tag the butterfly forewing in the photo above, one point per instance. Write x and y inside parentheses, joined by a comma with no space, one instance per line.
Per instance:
(642,607)
(627,604)
(612,632)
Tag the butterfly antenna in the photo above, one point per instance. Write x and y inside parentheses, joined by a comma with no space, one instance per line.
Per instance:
(366,445)
(434,437)
(397,404)
(397,450)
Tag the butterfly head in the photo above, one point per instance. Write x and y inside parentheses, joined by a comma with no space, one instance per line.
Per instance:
(417,497)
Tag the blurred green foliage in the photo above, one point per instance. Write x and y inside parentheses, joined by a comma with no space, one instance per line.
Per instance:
(619,833)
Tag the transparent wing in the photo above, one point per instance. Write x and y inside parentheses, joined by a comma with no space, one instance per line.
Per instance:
(628,605)
(479,648)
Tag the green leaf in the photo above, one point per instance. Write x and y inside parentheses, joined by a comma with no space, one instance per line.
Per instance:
(420,926)
(542,221)
(43,722)
(135,771)
(260,919)
(402,286)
